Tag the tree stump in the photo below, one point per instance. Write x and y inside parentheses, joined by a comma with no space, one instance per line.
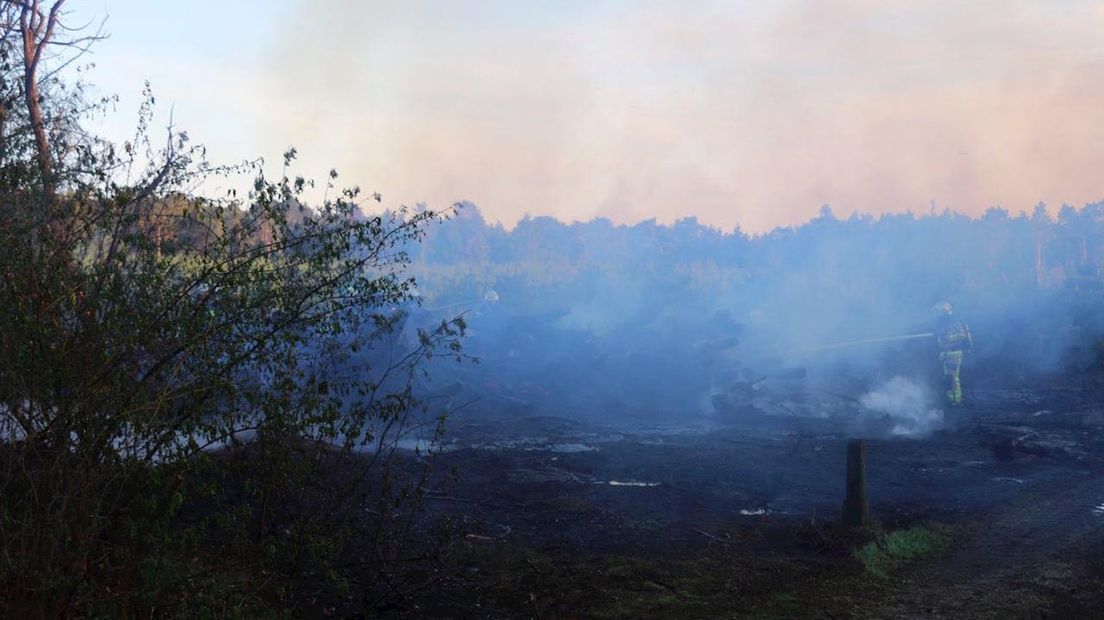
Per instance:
(855,506)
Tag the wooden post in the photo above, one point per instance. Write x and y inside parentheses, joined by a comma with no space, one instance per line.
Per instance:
(855,506)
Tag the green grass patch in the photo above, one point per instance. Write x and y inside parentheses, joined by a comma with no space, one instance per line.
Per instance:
(888,552)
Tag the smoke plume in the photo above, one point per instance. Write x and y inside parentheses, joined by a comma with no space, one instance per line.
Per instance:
(907,404)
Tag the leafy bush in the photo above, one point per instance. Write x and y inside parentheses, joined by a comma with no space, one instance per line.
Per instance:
(201,398)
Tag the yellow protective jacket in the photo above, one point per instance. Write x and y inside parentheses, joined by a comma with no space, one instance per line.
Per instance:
(952,334)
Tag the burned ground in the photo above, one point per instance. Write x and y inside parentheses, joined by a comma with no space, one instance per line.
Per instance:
(738,516)
(658,421)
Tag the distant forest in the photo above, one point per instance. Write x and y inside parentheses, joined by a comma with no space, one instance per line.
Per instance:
(669,313)
(954,253)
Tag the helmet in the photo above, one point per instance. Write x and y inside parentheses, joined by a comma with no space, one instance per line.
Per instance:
(942,308)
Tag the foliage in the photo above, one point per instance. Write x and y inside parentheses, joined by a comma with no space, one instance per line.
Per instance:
(201,397)
(679,312)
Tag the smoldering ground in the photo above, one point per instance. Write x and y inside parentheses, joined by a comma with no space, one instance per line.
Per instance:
(911,408)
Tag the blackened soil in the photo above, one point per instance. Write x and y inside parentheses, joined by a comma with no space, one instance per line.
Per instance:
(733,518)
(1034,557)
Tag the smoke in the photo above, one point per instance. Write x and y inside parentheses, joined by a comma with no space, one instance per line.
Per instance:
(759,111)
(681,324)
(908,405)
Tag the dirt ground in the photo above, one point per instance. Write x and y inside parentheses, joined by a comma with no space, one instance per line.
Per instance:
(738,517)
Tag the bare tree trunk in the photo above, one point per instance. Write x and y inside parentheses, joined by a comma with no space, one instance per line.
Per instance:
(3,131)
(37,31)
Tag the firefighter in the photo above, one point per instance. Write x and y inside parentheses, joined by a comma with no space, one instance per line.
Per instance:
(953,338)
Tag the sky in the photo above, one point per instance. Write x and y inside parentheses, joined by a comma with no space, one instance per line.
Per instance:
(749,114)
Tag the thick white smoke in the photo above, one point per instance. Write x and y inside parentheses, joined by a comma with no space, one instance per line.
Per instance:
(908,405)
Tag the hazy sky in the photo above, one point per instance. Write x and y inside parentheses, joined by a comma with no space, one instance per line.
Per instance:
(749,113)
